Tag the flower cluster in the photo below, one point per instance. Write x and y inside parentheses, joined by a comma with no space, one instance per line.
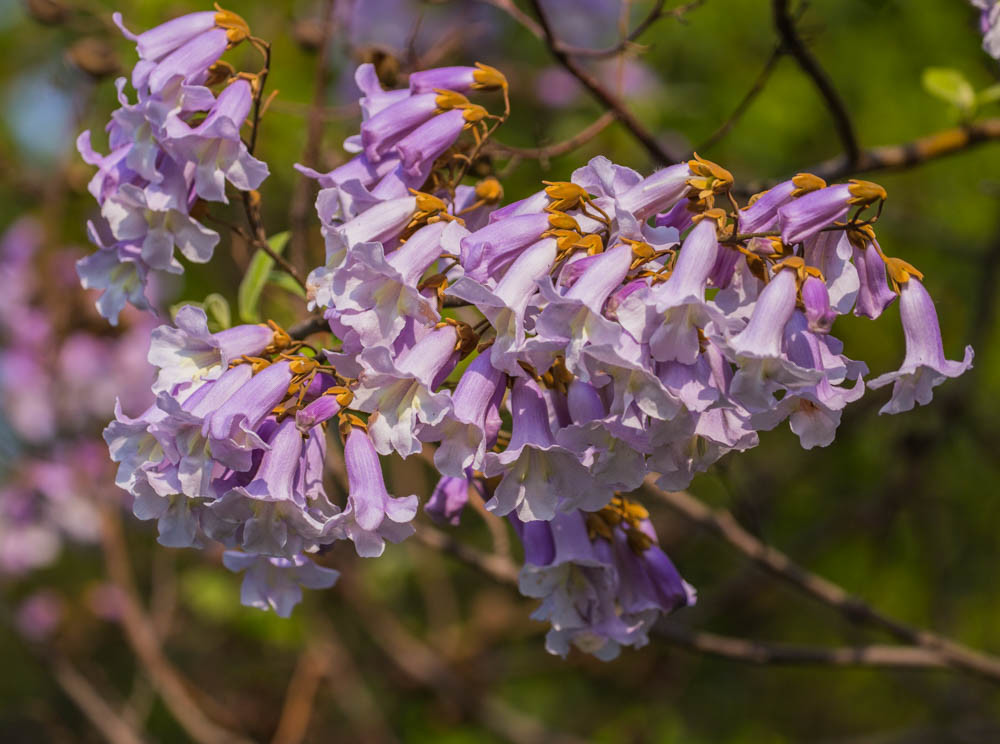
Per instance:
(553,353)
(178,144)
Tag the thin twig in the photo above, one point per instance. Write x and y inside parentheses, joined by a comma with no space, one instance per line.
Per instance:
(258,237)
(350,692)
(723,524)
(656,13)
(756,652)
(114,728)
(741,108)
(558,148)
(426,666)
(300,695)
(309,326)
(496,566)
(305,187)
(793,44)
(734,649)
(656,150)
(141,636)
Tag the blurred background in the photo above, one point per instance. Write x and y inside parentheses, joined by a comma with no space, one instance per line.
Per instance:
(415,646)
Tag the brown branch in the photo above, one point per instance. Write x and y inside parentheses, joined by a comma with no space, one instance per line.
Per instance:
(305,187)
(558,148)
(741,108)
(792,44)
(141,636)
(724,525)
(656,150)
(495,566)
(734,649)
(914,153)
(300,695)
(258,235)
(426,666)
(114,728)
(781,654)
(309,326)
(350,692)
(525,20)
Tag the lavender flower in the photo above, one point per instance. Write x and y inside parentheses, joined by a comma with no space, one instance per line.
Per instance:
(924,366)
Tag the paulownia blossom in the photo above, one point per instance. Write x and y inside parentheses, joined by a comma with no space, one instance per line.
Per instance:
(606,329)
(177,144)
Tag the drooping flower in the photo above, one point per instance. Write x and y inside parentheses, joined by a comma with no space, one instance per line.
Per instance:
(602,579)
(925,366)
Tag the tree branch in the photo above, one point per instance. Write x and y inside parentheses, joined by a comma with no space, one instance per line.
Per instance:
(755,90)
(781,654)
(141,636)
(724,525)
(309,326)
(734,649)
(114,728)
(494,566)
(426,666)
(914,153)
(792,43)
(656,151)
(558,148)
(305,187)
(313,664)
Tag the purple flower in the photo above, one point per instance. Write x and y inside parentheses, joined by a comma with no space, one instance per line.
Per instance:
(989,22)
(602,579)
(539,476)
(372,515)
(391,124)
(463,434)
(421,147)
(762,214)
(814,412)
(377,293)
(188,353)
(670,316)
(831,253)
(215,147)
(816,299)
(400,391)
(459,79)
(607,448)
(874,295)
(271,513)
(572,321)
(490,249)
(450,497)
(276,583)
(505,305)
(757,349)
(924,366)
(807,215)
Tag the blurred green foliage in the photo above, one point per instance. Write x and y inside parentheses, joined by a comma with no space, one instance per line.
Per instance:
(903,511)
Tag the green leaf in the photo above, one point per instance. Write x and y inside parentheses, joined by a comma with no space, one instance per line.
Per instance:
(284,280)
(220,317)
(950,85)
(258,273)
(988,95)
